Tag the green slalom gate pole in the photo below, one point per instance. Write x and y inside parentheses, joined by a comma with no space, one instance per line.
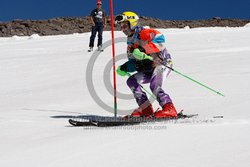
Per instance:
(199,83)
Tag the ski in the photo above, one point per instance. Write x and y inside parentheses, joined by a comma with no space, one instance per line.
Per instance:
(120,121)
(80,123)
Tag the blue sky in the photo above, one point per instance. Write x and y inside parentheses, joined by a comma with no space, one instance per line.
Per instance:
(164,9)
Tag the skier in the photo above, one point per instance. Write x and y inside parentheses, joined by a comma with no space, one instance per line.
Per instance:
(146,56)
(98,21)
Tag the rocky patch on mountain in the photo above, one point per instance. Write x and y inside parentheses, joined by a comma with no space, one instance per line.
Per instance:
(70,25)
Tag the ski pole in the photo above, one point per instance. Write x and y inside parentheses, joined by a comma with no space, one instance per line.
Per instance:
(141,56)
(151,94)
(199,83)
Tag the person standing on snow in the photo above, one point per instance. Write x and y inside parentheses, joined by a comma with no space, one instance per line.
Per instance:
(98,21)
(146,56)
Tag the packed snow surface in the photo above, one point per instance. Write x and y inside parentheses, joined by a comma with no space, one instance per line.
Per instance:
(43,83)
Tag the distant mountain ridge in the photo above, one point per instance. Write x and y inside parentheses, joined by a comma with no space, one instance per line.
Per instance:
(70,25)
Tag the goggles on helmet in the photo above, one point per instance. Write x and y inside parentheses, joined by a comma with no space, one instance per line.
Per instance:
(122,18)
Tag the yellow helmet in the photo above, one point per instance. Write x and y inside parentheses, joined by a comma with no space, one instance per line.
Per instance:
(131,17)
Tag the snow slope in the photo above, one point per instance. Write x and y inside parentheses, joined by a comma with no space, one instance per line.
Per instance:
(43,83)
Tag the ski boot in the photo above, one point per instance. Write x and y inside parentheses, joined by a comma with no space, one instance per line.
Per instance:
(90,49)
(100,48)
(143,111)
(168,111)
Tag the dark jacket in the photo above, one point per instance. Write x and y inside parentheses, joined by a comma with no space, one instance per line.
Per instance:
(98,16)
